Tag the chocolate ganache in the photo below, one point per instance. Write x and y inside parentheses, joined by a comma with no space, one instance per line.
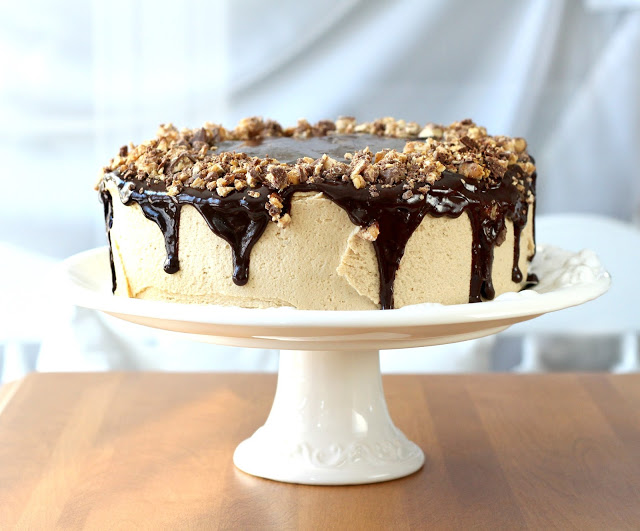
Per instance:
(240,216)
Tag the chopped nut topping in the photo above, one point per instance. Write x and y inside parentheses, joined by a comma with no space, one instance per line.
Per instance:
(345,125)
(275,200)
(358,181)
(370,233)
(284,221)
(431,131)
(471,170)
(191,158)
(224,191)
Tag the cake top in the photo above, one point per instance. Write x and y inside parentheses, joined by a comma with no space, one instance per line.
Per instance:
(382,153)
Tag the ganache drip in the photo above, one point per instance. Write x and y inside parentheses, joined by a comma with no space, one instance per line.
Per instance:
(165,214)
(107,204)
(241,219)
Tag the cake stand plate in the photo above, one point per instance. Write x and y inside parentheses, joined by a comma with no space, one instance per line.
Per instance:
(329,422)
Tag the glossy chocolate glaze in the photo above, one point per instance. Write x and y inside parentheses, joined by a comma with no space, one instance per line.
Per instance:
(107,204)
(165,214)
(241,219)
(288,150)
(532,281)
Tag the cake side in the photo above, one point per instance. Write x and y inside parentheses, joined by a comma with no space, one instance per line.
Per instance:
(317,262)
(414,231)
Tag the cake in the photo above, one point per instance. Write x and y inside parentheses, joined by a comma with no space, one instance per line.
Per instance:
(338,215)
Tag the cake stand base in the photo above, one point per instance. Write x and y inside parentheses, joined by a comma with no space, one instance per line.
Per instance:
(329,424)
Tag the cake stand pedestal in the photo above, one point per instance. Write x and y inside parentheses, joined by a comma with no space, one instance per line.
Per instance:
(329,423)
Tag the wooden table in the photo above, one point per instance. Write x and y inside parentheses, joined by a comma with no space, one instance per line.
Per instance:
(154,451)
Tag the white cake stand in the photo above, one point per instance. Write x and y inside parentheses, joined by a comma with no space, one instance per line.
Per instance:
(329,422)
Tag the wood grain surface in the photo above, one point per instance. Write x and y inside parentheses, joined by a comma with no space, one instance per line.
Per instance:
(154,451)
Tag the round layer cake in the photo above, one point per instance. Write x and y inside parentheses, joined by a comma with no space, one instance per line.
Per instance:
(332,216)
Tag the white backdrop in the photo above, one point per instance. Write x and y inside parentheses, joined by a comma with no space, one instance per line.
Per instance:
(78,79)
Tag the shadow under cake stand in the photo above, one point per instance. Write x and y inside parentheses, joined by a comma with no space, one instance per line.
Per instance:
(329,423)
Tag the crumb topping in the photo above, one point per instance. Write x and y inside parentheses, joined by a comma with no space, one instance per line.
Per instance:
(191,158)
